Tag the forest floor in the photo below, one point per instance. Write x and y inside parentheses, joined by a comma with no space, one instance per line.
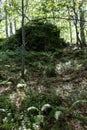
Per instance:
(62,73)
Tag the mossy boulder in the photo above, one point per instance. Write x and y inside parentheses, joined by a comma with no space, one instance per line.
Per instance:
(39,36)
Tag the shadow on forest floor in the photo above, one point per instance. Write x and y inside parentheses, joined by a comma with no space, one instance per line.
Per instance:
(45,73)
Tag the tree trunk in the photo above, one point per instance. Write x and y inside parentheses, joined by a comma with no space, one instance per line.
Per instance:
(76,24)
(53,12)
(15,26)
(6,21)
(11,27)
(82,34)
(70,27)
(23,42)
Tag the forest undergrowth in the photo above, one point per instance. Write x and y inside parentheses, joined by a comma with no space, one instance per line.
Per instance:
(57,80)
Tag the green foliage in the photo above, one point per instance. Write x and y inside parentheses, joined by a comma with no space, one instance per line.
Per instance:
(41,99)
(58,53)
(39,36)
(49,71)
(8,56)
(79,54)
(8,114)
(9,43)
(46,109)
(64,108)
(2,42)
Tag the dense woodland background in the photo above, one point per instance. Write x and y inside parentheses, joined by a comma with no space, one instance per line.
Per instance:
(43,65)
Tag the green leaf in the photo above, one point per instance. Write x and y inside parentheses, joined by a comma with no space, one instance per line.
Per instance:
(78,102)
(57,115)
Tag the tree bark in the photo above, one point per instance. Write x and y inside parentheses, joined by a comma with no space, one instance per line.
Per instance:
(76,24)
(11,27)
(15,28)
(82,34)
(70,27)
(6,21)
(23,42)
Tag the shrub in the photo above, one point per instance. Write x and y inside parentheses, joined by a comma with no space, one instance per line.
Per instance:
(39,36)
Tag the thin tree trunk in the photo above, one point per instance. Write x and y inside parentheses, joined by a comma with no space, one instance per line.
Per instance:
(70,27)
(23,42)
(76,23)
(15,26)
(11,27)
(6,21)
(53,11)
(82,34)
(11,20)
